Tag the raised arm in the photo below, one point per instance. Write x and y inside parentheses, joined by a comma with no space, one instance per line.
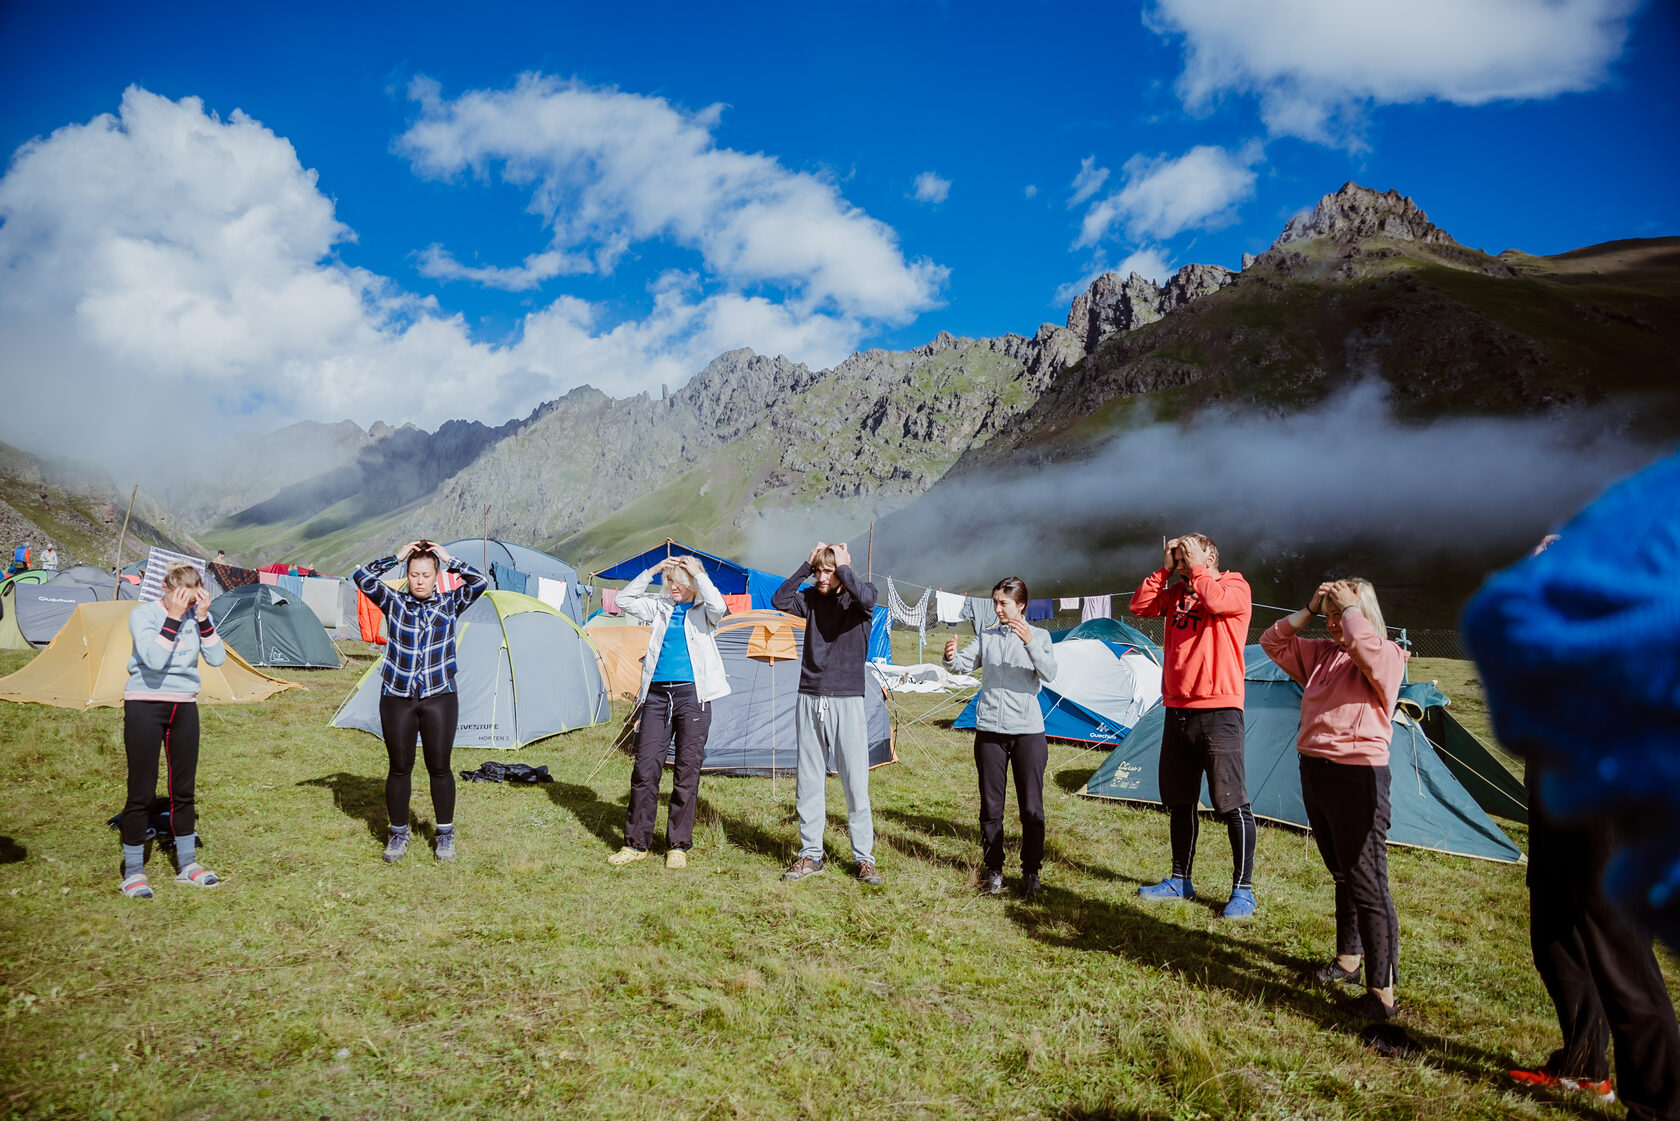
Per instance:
(1229,596)
(787,597)
(210,644)
(711,600)
(1152,598)
(636,601)
(966,660)
(367,579)
(863,593)
(1380,660)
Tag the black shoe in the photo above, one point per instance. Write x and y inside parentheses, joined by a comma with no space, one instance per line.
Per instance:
(1031,886)
(1371,1009)
(1332,973)
(991,883)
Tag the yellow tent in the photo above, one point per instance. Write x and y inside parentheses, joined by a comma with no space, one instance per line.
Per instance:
(86,666)
(622,649)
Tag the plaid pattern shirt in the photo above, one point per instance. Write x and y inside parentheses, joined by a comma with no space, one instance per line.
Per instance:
(420,655)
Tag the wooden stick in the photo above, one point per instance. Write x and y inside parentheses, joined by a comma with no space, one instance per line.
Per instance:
(871,553)
(487,541)
(123,536)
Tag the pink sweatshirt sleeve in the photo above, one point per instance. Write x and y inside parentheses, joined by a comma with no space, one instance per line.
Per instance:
(1381,661)
(1295,656)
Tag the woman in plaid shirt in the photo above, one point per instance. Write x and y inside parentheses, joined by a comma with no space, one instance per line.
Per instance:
(417,679)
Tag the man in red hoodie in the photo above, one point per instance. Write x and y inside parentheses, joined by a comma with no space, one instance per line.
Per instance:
(1207,615)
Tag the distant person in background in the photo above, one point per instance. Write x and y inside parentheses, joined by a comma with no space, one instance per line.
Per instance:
(1350,684)
(1207,614)
(830,719)
(417,680)
(1009,730)
(160,713)
(221,557)
(1579,649)
(681,676)
(49,559)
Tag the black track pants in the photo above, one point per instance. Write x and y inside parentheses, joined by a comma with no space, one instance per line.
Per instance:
(1348,812)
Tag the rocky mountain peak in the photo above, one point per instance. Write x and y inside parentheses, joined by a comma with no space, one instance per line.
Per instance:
(1357,213)
(1113,305)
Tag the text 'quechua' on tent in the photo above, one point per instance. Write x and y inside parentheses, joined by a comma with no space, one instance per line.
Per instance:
(270,627)
(753,728)
(1431,808)
(1107,676)
(87,666)
(730,577)
(525,672)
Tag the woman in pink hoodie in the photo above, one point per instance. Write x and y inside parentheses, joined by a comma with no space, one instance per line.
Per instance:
(1350,682)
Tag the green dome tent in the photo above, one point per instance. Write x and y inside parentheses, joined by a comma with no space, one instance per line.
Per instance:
(525,672)
(270,627)
(1431,808)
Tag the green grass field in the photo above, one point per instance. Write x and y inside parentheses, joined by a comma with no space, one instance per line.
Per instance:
(529,979)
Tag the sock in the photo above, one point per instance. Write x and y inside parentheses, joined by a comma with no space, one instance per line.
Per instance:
(398,831)
(446,828)
(134,860)
(186,850)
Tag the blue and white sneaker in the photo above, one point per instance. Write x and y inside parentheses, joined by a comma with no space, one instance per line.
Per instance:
(1242,904)
(1173,887)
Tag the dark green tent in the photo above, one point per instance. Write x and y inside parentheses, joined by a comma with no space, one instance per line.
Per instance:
(270,627)
(1431,808)
(1495,789)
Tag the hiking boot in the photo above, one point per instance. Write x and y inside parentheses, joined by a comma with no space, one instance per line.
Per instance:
(1173,887)
(991,883)
(1544,1079)
(799,869)
(629,854)
(1031,886)
(1242,904)
(397,847)
(444,847)
(676,858)
(1331,973)
(866,874)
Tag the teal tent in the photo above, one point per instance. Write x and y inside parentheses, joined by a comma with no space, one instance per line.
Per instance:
(1431,808)
(271,627)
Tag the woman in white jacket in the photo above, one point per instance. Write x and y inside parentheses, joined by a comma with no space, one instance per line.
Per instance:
(681,675)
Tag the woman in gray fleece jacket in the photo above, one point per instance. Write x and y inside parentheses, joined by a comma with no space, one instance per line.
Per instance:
(1009,729)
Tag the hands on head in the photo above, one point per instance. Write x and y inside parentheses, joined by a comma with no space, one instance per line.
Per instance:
(1333,595)
(178,601)
(424,545)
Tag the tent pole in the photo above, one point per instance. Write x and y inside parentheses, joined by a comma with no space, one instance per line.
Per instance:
(117,589)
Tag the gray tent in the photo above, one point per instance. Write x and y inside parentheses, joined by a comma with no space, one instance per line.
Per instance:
(270,627)
(481,552)
(753,727)
(43,609)
(526,671)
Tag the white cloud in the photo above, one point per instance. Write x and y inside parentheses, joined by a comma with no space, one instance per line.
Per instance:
(1031,190)
(1164,196)
(1317,66)
(931,188)
(1088,182)
(170,267)
(1150,262)
(606,166)
(438,263)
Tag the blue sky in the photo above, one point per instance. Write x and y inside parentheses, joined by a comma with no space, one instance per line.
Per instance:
(416,212)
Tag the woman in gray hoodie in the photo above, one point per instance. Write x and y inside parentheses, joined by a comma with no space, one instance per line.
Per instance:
(1009,729)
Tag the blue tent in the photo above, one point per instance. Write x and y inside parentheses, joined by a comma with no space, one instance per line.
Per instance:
(1108,675)
(1431,809)
(880,635)
(484,553)
(732,579)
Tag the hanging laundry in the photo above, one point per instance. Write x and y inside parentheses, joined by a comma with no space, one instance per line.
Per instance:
(449,581)
(948,607)
(738,605)
(1096,607)
(880,635)
(323,596)
(1039,610)
(903,613)
(980,612)
(609,601)
(1069,603)
(368,618)
(550,591)
(291,585)
(269,577)
(230,577)
(509,579)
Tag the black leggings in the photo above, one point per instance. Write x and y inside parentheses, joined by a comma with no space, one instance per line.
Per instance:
(149,726)
(1348,812)
(432,719)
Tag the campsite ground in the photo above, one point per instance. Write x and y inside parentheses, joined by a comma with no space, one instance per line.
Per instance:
(529,979)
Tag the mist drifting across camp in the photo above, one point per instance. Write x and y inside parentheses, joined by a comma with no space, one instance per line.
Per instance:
(1342,484)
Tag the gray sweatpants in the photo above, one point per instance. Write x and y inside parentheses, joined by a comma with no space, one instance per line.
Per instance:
(838,727)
